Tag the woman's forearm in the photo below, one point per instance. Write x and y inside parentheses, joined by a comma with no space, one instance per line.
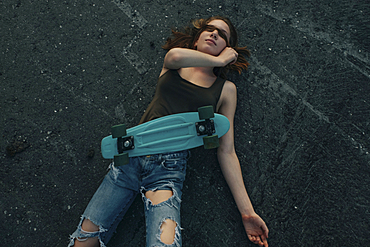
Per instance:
(182,58)
(231,170)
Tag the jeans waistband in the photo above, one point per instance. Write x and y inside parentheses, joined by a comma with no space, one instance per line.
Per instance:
(172,155)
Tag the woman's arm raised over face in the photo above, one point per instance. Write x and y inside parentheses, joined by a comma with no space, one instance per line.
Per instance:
(182,57)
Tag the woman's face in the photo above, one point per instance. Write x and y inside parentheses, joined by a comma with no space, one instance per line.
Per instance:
(210,41)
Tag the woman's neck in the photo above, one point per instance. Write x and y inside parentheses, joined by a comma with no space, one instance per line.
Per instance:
(202,71)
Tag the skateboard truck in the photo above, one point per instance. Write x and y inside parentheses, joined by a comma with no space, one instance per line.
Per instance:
(206,127)
(125,143)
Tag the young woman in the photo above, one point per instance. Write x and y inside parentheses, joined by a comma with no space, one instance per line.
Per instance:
(192,76)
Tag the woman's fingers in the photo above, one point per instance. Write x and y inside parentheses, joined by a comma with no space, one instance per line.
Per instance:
(261,241)
(230,55)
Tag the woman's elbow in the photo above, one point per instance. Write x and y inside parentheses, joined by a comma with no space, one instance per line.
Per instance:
(172,59)
(226,151)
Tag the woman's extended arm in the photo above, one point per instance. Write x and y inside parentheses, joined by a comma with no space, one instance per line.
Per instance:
(255,227)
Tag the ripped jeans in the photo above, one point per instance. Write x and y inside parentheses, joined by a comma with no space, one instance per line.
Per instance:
(120,187)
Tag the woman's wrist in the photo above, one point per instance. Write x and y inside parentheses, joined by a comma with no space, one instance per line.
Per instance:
(248,215)
(247,212)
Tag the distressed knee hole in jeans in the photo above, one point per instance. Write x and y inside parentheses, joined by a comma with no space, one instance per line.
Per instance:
(172,201)
(81,235)
(169,232)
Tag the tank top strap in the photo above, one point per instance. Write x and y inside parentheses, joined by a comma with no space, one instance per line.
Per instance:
(217,87)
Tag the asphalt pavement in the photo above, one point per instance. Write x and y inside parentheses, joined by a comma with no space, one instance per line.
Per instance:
(71,69)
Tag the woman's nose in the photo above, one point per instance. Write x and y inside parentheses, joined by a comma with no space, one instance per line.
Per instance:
(215,34)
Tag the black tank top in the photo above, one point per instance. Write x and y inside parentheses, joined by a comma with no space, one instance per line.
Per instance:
(177,95)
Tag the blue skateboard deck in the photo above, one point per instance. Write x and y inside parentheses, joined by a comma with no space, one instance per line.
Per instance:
(166,134)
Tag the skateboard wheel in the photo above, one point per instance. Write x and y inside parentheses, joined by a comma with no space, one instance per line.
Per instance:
(211,142)
(121,159)
(118,130)
(206,112)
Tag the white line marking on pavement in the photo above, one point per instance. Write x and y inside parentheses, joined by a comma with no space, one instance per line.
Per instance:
(358,58)
(134,15)
(278,87)
(134,59)
(140,21)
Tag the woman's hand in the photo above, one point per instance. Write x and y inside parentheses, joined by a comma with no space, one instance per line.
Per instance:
(256,229)
(228,56)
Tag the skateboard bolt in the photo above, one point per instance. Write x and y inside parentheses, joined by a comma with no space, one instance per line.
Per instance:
(202,128)
(127,144)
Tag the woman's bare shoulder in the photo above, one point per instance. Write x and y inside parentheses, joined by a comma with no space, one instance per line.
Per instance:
(229,89)
(228,95)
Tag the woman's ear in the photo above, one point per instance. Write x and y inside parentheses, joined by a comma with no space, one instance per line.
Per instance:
(195,45)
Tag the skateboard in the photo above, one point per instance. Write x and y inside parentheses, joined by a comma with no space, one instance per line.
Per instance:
(171,133)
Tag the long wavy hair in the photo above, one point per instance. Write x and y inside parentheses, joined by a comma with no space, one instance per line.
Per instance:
(191,33)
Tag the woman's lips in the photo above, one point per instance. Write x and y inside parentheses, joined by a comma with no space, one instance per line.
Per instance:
(211,40)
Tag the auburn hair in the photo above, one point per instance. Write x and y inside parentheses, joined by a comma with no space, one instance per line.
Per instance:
(191,33)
